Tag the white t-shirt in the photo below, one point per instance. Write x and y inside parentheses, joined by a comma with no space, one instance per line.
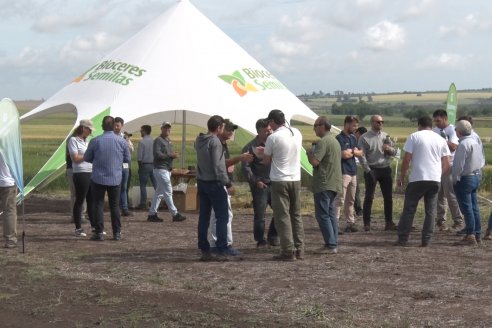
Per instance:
(284,146)
(427,149)
(453,138)
(6,179)
(78,145)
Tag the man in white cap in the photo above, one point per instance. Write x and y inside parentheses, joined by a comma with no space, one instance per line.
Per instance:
(163,165)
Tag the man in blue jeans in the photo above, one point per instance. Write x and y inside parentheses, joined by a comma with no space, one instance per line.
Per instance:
(145,159)
(107,153)
(125,175)
(211,179)
(466,173)
(326,157)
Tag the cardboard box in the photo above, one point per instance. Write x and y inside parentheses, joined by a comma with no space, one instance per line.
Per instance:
(186,202)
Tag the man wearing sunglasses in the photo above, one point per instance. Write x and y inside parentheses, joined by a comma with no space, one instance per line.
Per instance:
(378,150)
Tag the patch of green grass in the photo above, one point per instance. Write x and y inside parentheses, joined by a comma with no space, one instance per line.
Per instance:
(38,273)
(136,319)
(6,296)
(111,300)
(315,311)
(76,255)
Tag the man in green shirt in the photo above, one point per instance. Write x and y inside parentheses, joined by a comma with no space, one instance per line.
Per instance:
(325,157)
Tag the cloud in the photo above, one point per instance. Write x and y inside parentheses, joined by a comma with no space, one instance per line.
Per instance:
(418,9)
(445,60)
(88,48)
(295,38)
(385,36)
(58,22)
(466,26)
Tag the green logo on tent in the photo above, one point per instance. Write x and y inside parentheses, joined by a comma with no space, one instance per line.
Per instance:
(111,71)
(260,80)
(238,83)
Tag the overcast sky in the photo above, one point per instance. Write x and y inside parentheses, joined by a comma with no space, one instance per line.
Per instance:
(350,45)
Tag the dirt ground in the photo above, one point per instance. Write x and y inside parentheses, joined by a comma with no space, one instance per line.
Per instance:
(152,278)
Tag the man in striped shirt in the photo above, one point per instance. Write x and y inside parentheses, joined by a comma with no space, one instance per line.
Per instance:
(107,153)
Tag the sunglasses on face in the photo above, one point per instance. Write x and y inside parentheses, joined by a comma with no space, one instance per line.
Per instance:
(379,122)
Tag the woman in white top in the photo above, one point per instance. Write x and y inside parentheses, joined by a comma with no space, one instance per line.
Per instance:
(77,145)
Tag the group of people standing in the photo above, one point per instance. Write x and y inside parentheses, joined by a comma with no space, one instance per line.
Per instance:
(445,162)
(103,165)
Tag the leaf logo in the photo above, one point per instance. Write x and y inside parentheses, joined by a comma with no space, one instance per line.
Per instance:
(81,76)
(240,85)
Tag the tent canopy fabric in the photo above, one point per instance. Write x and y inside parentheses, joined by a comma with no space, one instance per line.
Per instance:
(10,142)
(179,62)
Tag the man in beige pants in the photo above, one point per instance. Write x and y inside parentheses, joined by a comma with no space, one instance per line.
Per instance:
(350,150)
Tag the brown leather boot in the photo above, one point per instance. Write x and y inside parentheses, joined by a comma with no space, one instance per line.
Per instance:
(468,240)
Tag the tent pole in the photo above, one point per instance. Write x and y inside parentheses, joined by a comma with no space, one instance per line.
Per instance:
(183,141)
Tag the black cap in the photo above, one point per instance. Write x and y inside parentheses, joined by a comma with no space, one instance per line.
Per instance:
(277,116)
(229,126)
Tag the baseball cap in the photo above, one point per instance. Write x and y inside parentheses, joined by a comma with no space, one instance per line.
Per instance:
(229,126)
(88,124)
(165,124)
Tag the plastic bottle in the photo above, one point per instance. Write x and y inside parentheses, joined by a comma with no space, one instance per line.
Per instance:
(444,135)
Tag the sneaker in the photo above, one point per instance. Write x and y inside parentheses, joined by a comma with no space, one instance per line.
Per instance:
(461,232)
(206,257)
(178,217)
(93,230)
(458,226)
(441,224)
(488,235)
(261,244)
(10,244)
(97,237)
(367,227)
(351,228)
(154,218)
(80,233)
(468,240)
(117,236)
(300,254)
(400,243)
(284,257)
(390,226)
(232,251)
(326,250)
(273,241)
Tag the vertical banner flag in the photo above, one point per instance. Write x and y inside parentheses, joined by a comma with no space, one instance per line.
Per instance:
(10,142)
(452,104)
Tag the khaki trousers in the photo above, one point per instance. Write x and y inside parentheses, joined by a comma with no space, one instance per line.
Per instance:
(9,208)
(447,197)
(346,199)
(286,205)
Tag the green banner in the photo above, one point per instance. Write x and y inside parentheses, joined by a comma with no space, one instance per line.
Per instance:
(452,104)
(54,167)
